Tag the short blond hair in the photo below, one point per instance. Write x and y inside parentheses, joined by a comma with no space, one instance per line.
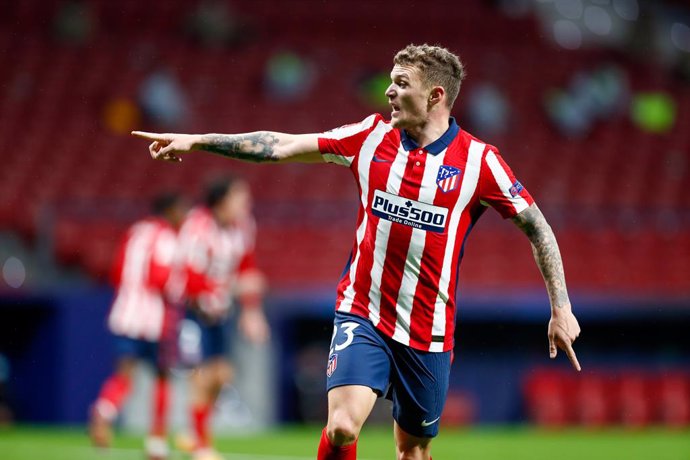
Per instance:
(438,66)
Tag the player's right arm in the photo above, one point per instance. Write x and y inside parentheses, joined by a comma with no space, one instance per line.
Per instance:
(257,147)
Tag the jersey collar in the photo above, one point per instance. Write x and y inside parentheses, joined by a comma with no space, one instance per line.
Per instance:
(439,145)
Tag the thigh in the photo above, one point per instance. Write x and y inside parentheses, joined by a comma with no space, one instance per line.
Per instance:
(212,374)
(358,355)
(419,389)
(350,403)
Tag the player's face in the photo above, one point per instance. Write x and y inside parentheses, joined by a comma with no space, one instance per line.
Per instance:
(408,96)
(236,204)
(177,213)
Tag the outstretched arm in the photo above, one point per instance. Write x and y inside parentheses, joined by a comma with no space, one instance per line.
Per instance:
(257,147)
(563,326)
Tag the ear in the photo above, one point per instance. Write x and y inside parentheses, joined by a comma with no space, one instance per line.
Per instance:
(436,96)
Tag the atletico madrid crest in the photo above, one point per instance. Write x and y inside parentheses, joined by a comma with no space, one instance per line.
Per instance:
(448,178)
(515,189)
(332,364)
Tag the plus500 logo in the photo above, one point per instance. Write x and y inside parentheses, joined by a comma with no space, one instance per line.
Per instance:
(409,212)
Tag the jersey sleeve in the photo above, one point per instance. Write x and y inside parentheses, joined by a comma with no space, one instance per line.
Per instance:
(201,288)
(248,263)
(162,258)
(499,188)
(118,261)
(195,268)
(342,145)
(195,260)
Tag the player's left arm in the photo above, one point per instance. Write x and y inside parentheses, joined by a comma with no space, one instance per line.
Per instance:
(563,326)
(251,287)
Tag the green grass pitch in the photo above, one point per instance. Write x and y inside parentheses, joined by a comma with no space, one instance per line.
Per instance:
(376,443)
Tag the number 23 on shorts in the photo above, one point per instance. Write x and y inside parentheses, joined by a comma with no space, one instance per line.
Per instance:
(348,329)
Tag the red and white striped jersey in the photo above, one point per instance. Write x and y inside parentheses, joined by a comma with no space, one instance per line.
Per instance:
(214,257)
(141,274)
(417,207)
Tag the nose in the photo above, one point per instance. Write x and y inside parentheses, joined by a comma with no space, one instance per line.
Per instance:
(390,91)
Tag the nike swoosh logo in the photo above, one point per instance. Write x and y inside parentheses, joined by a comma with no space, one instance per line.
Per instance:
(425,423)
(380,160)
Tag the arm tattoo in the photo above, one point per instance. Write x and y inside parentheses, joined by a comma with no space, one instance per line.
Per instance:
(255,147)
(546,253)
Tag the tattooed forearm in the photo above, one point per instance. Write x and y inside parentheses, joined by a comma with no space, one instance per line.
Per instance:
(546,253)
(256,147)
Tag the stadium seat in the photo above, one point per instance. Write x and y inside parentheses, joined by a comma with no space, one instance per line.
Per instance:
(67,154)
(673,393)
(547,397)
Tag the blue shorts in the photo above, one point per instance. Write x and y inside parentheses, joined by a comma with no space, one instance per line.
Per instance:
(213,338)
(155,353)
(416,381)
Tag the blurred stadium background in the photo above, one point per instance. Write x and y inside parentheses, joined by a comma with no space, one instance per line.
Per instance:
(588,100)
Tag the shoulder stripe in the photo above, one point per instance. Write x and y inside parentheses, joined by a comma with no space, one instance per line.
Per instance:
(350,130)
(504,183)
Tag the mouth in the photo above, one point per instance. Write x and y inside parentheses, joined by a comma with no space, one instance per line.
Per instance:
(395,109)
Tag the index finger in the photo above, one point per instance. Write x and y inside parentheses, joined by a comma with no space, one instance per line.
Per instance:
(571,356)
(149,136)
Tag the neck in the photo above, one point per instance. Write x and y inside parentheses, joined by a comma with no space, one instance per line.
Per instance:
(433,128)
(218,218)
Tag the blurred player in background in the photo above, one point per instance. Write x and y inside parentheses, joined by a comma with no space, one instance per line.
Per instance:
(143,318)
(423,183)
(220,264)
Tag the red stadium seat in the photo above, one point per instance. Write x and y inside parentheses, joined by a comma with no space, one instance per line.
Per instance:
(548,397)
(594,404)
(636,399)
(673,390)
(67,155)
